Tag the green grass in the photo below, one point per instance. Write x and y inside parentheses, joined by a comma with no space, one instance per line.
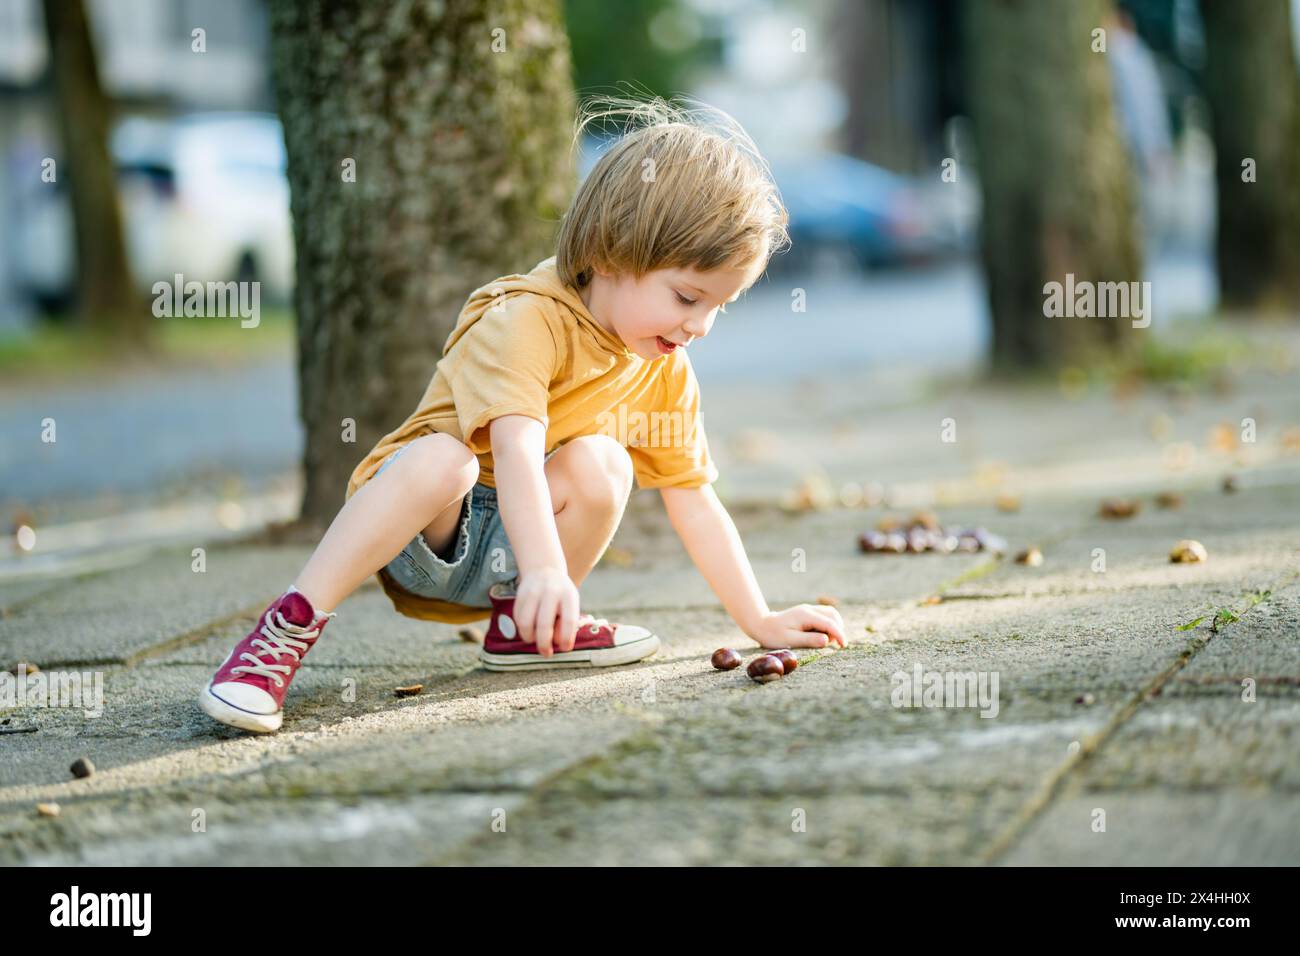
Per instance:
(53,349)
(1195,359)
(1226,615)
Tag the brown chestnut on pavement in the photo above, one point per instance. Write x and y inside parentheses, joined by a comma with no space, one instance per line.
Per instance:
(1188,551)
(787,659)
(1119,508)
(725,659)
(765,668)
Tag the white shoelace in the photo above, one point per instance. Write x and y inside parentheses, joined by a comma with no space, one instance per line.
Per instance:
(594,624)
(280,643)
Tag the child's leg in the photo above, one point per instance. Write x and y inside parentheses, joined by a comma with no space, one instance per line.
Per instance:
(421,491)
(590,479)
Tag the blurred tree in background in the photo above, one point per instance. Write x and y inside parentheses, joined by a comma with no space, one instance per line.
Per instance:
(106,296)
(656,43)
(1057,187)
(427,146)
(1254,96)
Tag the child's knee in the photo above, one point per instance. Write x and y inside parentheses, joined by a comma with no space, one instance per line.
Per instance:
(443,466)
(602,468)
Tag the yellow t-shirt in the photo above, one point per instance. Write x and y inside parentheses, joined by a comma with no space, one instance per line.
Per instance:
(527,345)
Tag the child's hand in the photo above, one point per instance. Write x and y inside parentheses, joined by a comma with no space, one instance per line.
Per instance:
(804,625)
(546,610)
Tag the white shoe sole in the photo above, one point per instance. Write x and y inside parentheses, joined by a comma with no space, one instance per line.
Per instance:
(218,709)
(602,657)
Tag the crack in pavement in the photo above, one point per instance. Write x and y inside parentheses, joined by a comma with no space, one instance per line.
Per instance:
(1055,781)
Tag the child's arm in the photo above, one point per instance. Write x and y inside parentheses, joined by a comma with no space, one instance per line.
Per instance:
(714,545)
(545,591)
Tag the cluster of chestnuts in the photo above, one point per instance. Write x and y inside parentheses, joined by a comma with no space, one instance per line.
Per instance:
(924,533)
(763,668)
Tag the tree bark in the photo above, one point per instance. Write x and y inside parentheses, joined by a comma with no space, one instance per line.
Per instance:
(106,295)
(462,172)
(1254,97)
(1057,187)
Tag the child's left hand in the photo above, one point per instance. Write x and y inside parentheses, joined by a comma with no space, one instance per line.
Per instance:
(804,625)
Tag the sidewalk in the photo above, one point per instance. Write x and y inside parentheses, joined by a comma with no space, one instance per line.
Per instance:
(1104,704)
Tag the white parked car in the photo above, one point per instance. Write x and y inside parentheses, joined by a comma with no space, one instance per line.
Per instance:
(204,195)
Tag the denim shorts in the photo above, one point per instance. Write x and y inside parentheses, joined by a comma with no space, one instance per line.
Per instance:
(483,556)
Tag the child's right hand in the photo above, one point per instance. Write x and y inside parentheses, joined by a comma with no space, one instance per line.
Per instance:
(546,610)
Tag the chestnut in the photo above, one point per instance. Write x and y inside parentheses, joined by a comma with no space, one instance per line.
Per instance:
(943,543)
(1169,499)
(988,541)
(725,659)
(765,668)
(872,541)
(895,543)
(786,656)
(1188,552)
(1031,557)
(1119,508)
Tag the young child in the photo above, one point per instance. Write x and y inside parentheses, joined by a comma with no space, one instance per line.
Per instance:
(499,493)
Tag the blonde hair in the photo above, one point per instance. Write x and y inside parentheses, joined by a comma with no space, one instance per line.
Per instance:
(685,188)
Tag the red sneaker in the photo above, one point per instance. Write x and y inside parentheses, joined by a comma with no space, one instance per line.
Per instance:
(599,643)
(248,690)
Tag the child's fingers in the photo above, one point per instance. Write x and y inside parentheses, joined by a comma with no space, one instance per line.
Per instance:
(827,619)
(565,637)
(839,633)
(809,638)
(547,608)
(525,614)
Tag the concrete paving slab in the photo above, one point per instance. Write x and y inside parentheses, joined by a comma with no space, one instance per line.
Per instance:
(1163,827)
(118,615)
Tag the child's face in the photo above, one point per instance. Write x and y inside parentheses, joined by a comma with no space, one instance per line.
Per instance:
(665,309)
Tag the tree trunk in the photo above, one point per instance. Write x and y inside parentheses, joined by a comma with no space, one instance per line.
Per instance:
(1057,187)
(881,64)
(1254,97)
(462,172)
(106,294)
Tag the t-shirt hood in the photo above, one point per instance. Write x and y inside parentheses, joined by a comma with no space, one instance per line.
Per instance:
(543,279)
